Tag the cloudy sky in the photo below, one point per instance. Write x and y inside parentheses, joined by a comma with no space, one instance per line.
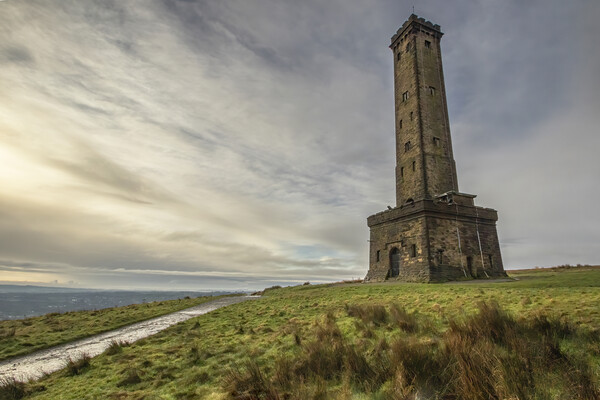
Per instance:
(242,143)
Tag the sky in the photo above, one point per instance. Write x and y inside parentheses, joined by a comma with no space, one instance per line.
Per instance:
(240,144)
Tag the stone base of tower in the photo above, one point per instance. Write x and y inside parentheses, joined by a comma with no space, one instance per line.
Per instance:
(447,238)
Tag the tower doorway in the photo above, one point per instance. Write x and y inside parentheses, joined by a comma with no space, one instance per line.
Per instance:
(470,267)
(394,262)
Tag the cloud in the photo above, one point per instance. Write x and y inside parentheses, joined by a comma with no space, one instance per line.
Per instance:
(17,55)
(247,141)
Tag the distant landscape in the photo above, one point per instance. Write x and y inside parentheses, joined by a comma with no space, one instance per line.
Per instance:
(534,336)
(29,301)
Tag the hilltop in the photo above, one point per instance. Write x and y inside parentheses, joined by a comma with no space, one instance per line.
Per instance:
(535,337)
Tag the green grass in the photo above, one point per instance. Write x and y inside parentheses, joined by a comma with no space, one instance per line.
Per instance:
(368,341)
(19,337)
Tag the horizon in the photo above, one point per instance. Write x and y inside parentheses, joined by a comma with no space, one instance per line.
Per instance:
(178,144)
(59,285)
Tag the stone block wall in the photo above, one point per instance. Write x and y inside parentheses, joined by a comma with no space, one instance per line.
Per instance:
(456,251)
(425,164)
(446,242)
(387,236)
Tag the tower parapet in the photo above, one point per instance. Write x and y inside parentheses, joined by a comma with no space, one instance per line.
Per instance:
(418,21)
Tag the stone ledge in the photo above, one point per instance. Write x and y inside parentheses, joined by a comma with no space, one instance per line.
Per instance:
(434,209)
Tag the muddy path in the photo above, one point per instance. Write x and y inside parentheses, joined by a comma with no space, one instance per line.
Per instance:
(35,365)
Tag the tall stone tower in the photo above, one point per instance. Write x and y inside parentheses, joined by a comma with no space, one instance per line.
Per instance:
(435,233)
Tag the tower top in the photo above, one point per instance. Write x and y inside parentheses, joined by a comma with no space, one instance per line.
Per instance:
(416,21)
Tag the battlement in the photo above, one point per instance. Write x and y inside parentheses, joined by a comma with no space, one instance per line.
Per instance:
(415,19)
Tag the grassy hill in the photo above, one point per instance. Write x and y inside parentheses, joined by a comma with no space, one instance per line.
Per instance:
(23,336)
(537,337)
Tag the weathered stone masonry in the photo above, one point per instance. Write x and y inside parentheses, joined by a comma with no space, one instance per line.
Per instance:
(435,233)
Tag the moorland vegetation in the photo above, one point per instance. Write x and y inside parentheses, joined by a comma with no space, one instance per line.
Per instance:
(537,337)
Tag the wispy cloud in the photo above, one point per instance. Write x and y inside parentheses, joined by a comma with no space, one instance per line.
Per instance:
(247,141)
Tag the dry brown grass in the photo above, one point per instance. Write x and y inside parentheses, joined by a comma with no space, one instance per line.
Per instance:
(490,355)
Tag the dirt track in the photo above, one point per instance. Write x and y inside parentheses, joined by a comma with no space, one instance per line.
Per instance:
(35,365)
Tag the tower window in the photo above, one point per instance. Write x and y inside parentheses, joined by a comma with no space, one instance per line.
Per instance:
(436,141)
(431,90)
(427,44)
(402,172)
(411,115)
(440,256)
(398,56)
(414,165)
(407,146)
(378,255)
(405,96)
(408,47)
(413,250)
(400,124)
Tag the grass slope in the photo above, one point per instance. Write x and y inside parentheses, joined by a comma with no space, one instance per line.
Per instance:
(19,337)
(367,341)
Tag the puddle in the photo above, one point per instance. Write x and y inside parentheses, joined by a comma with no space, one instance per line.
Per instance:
(35,365)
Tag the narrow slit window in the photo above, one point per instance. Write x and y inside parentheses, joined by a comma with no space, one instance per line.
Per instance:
(413,250)
(401,172)
(431,90)
(427,44)
(440,256)
(407,146)
(436,141)
(405,96)
(400,124)
(407,48)
(414,165)
(411,115)
(398,56)
(378,255)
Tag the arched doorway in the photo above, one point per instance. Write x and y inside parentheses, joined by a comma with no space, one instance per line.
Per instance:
(394,262)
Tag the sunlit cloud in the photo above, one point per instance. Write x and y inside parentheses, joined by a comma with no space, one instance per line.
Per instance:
(197,144)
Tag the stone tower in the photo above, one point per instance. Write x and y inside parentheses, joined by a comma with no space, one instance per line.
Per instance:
(435,233)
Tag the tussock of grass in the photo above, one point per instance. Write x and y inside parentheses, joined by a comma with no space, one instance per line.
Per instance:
(404,320)
(131,376)
(11,389)
(369,314)
(489,355)
(115,347)
(78,365)
(8,332)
